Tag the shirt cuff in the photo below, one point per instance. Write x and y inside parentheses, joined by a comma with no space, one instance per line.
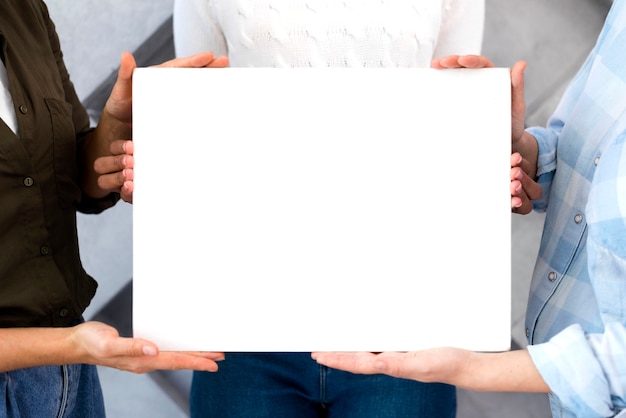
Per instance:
(569,366)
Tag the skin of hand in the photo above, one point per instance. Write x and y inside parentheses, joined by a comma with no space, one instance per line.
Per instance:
(524,188)
(511,371)
(112,152)
(94,343)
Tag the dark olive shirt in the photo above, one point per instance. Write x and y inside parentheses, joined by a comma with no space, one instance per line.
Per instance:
(42,280)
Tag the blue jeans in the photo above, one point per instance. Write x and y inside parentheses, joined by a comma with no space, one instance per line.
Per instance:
(51,392)
(292,385)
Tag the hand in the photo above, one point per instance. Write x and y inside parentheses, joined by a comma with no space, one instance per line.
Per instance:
(509,371)
(100,344)
(115,167)
(518,103)
(434,365)
(461,61)
(523,188)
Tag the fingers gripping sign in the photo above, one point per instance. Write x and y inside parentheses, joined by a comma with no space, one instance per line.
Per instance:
(115,164)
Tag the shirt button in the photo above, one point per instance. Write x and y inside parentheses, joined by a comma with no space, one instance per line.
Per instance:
(28,181)
(23,109)
(596,161)
(63,312)
(527,333)
(552,276)
(44,250)
(578,218)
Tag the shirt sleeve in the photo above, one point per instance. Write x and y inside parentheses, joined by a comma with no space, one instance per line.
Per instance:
(196,30)
(586,372)
(547,137)
(462,28)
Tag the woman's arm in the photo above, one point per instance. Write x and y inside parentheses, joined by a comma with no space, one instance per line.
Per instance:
(93,343)
(511,371)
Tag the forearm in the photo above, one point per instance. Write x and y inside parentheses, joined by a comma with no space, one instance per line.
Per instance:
(29,347)
(512,371)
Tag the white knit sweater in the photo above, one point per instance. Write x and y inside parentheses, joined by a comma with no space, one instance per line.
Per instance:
(333,33)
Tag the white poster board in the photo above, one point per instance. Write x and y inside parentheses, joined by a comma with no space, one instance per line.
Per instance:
(322,209)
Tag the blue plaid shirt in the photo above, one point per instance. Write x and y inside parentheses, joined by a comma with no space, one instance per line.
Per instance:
(576,318)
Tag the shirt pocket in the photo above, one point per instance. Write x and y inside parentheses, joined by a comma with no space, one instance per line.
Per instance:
(65,159)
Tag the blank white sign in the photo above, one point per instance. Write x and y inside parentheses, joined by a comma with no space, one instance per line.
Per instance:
(322,209)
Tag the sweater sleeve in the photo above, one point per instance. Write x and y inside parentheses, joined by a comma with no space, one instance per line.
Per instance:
(462,27)
(195,29)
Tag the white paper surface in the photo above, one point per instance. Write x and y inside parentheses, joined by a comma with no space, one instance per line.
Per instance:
(322,209)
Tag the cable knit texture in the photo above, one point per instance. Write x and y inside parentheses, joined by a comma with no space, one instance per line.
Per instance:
(332,33)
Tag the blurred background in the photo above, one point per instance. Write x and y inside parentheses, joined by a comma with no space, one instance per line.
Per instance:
(553,36)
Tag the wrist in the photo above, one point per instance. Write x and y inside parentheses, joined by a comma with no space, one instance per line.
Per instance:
(75,348)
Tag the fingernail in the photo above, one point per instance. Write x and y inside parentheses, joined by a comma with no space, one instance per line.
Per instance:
(149,351)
